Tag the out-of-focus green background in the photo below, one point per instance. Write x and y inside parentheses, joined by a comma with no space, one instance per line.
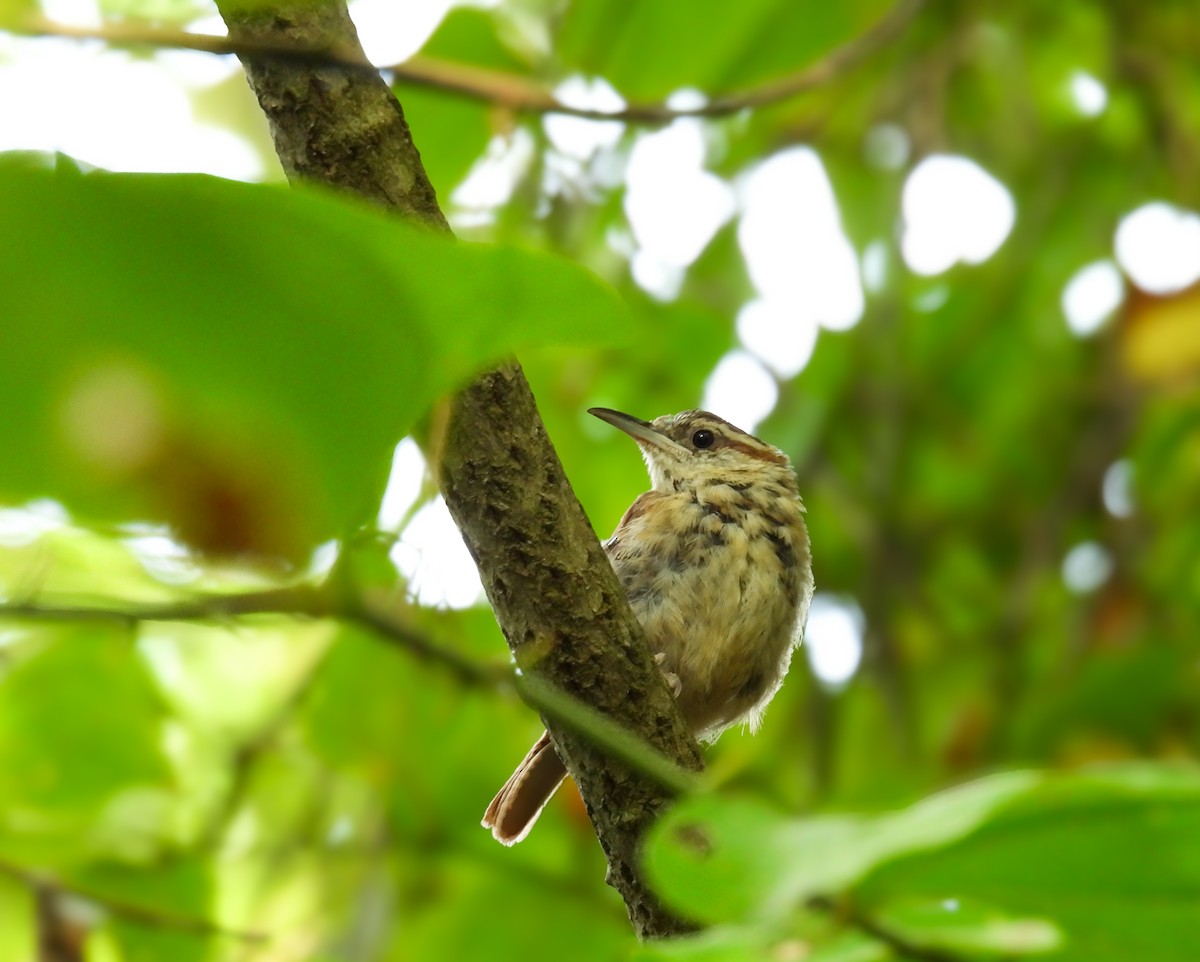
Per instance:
(997,436)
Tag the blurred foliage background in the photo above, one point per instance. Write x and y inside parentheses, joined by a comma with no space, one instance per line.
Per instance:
(997,436)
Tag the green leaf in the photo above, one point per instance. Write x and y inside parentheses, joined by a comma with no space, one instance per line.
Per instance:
(725,860)
(1111,859)
(815,940)
(851,946)
(1099,866)
(648,50)
(240,360)
(967,927)
(482,911)
(165,901)
(454,130)
(158,12)
(720,943)
(18,934)
(81,763)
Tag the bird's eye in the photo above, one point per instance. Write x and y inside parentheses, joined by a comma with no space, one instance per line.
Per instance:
(703,438)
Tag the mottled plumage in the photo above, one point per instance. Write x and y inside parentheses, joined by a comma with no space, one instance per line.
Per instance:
(715,562)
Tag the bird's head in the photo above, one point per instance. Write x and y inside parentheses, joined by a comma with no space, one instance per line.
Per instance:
(695,448)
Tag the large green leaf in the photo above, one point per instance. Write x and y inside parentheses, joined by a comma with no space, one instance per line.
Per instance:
(719,860)
(1112,861)
(240,360)
(1070,868)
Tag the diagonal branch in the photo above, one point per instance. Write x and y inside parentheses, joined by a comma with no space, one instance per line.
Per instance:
(563,613)
(46,886)
(493,86)
(555,595)
(376,613)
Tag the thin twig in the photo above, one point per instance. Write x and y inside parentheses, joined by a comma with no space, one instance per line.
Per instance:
(540,695)
(302,600)
(868,926)
(129,911)
(498,87)
(824,71)
(374,613)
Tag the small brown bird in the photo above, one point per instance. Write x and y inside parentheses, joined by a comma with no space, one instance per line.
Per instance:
(715,561)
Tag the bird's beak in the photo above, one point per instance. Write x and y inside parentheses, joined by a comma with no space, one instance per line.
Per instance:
(643,432)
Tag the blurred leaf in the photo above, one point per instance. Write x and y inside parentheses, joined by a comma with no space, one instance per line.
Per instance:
(455,130)
(17,13)
(814,940)
(1093,866)
(66,561)
(173,12)
(721,860)
(364,716)
(18,934)
(233,682)
(1129,694)
(1111,859)
(649,50)
(570,921)
(967,927)
(81,765)
(143,943)
(189,349)
(851,947)
(166,902)
(720,943)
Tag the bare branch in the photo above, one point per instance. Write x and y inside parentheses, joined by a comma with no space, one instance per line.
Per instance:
(129,911)
(303,600)
(493,86)
(378,613)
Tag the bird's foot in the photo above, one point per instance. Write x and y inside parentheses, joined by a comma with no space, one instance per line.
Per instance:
(669,677)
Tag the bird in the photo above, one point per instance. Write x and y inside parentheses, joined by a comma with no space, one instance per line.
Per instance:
(716,563)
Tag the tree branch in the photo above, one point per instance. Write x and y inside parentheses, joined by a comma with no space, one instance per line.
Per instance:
(48,888)
(493,86)
(564,614)
(600,730)
(303,600)
(334,124)
(902,948)
(555,594)
(377,614)
(58,939)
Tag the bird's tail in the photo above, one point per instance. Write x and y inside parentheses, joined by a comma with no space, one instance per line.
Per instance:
(518,804)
